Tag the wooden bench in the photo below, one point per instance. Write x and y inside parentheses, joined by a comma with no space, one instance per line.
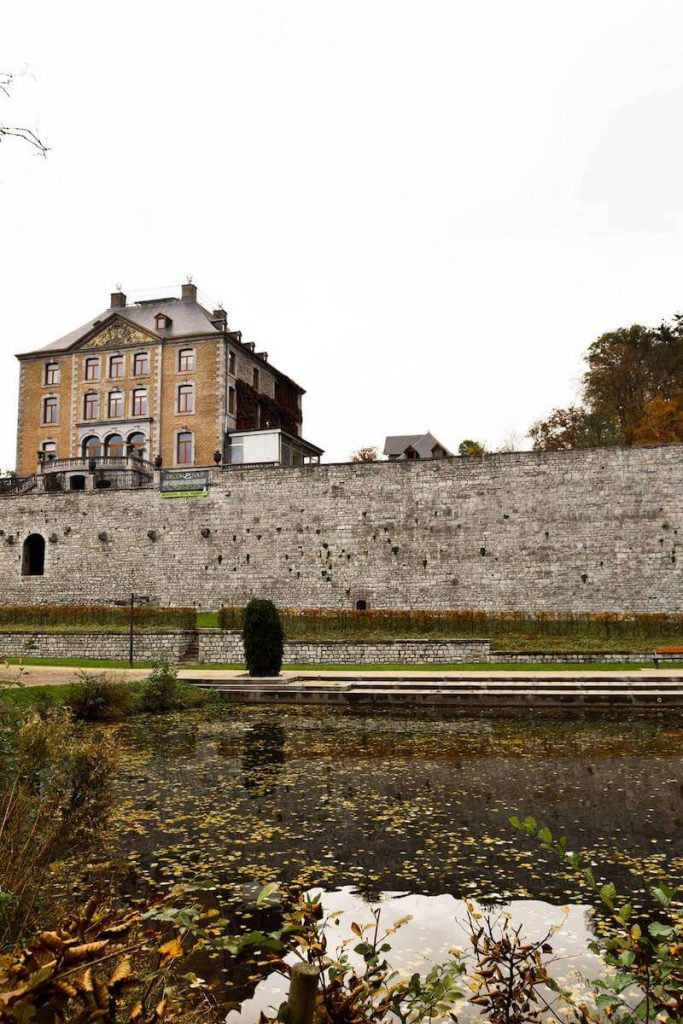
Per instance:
(661,654)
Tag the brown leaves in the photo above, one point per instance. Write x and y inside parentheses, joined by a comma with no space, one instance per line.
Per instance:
(62,973)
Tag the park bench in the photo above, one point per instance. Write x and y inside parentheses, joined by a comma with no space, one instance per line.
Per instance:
(663,654)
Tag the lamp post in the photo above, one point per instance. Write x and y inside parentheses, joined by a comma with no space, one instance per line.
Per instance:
(141,599)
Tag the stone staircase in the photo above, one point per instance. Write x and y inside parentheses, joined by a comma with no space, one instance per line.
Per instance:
(518,690)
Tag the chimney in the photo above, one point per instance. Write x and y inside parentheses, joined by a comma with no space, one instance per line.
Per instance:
(189,292)
(118,300)
(220,319)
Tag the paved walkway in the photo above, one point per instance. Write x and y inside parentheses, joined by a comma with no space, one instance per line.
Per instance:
(42,675)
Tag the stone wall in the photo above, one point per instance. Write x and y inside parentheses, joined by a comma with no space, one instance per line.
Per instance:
(225,647)
(580,531)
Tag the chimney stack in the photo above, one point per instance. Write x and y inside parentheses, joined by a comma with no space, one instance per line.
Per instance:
(118,300)
(220,319)
(189,292)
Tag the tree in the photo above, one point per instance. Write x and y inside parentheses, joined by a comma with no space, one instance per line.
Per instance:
(263,638)
(469,447)
(574,427)
(367,454)
(7,131)
(631,392)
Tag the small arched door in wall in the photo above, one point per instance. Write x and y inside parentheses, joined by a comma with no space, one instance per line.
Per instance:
(33,555)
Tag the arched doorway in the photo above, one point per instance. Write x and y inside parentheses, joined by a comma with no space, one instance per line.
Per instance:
(138,444)
(114,446)
(33,555)
(92,447)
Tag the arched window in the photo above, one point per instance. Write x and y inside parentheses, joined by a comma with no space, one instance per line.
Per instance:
(361,605)
(186,398)
(91,405)
(138,443)
(141,363)
(92,368)
(113,447)
(33,555)
(116,366)
(186,360)
(140,402)
(92,447)
(184,448)
(115,404)
(50,410)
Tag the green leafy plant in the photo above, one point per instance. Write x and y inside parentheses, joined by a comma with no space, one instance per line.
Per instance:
(263,638)
(161,691)
(646,979)
(95,698)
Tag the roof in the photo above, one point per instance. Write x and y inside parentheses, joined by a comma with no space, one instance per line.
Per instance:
(424,444)
(188,319)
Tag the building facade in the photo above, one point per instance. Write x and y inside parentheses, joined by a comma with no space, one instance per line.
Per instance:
(164,379)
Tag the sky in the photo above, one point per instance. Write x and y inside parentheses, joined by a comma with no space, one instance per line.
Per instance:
(423,210)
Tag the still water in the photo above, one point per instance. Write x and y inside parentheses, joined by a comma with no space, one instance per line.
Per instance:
(406,811)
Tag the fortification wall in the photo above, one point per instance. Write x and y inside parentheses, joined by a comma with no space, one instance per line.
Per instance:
(583,531)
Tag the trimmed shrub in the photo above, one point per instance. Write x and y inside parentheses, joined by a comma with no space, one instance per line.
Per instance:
(263,638)
(161,690)
(94,698)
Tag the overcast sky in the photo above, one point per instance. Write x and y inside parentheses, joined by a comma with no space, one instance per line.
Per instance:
(424,210)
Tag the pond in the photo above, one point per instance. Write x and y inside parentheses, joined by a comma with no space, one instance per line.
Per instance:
(402,810)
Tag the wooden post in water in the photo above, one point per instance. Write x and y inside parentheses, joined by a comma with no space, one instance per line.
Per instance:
(303,989)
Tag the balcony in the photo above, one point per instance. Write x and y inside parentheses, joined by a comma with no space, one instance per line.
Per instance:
(84,473)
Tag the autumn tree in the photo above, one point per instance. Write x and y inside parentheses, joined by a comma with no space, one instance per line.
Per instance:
(367,454)
(469,447)
(632,392)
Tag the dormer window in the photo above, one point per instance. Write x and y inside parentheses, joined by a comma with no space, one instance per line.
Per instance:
(162,322)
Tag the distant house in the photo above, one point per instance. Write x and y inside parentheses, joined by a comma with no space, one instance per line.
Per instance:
(414,446)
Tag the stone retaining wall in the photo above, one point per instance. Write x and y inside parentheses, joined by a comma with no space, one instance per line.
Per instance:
(577,531)
(216,646)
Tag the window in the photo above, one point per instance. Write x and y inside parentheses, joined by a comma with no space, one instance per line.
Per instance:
(231,363)
(49,450)
(141,363)
(185,398)
(162,321)
(77,482)
(33,555)
(113,448)
(92,369)
(186,360)
(231,401)
(52,373)
(49,410)
(255,378)
(184,448)
(137,444)
(91,406)
(92,449)
(361,605)
(115,404)
(140,402)
(116,366)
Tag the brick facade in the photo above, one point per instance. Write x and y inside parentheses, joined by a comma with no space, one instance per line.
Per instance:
(221,363)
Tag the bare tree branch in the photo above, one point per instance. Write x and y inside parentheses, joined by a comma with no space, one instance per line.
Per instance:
(8,131)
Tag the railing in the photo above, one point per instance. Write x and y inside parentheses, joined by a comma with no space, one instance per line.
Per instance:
(16,484)
(101,462)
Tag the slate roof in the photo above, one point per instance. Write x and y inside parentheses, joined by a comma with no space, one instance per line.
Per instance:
(396,444)
(188,318)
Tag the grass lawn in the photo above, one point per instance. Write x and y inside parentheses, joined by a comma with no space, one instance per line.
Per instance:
(78,662)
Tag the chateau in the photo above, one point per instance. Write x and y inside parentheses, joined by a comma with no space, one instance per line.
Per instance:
(159,453)
(163,380)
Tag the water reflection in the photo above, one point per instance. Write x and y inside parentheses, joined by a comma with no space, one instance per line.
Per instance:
(263,757)
(438,923)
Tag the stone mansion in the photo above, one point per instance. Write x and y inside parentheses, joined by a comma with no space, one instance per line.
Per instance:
(162,381)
